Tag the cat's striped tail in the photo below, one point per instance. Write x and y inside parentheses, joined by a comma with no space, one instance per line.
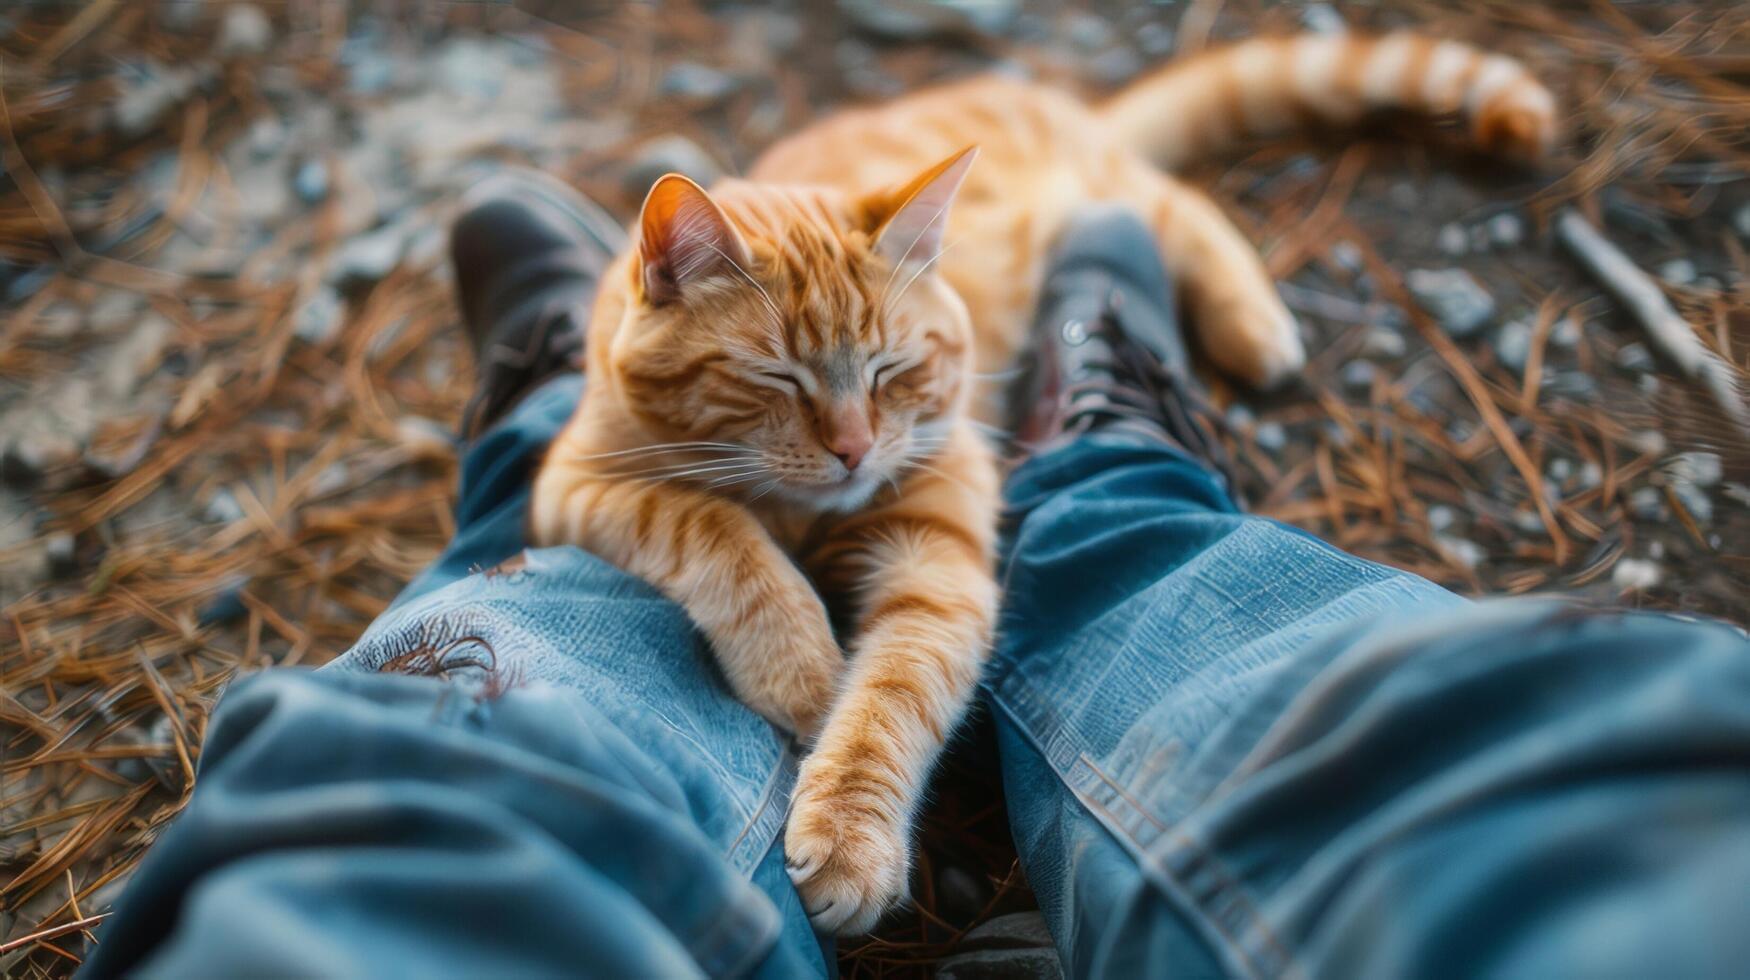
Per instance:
(1202,105)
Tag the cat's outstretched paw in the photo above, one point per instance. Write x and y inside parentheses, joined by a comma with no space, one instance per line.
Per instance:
(848,862)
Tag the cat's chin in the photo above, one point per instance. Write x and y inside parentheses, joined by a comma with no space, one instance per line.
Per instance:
(844,495)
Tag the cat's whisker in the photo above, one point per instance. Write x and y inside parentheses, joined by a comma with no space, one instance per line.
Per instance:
(881,303)
(768,488)
(920,271)
(666,447)
(757,469)
(765,297)
(685,472)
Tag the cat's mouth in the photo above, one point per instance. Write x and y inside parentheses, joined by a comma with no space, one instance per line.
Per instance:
(843,493)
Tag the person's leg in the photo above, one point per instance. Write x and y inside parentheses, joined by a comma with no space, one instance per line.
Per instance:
(564,788)
(1229,748)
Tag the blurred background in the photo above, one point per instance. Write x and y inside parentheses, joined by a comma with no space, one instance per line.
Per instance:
(230,371)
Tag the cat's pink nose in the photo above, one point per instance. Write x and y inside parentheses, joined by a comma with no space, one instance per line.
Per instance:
(850,448)
(846,433)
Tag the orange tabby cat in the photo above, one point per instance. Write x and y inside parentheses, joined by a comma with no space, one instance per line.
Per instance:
(780,386)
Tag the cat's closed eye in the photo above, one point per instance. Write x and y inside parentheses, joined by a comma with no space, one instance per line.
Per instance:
(783,377)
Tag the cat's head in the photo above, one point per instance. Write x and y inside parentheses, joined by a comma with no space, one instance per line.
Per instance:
(802,331)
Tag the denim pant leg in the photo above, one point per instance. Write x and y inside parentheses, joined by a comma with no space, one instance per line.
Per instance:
(1232,750)
(562,787)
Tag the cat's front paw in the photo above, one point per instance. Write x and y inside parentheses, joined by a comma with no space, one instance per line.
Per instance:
(845,850)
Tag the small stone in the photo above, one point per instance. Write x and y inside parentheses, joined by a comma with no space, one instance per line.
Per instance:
(1506,230)
(1322,18)
(147,94)
(61,549)
(267,137)
(1647,504)
(863,72)
(1453,240)
(180,16)
(1359,375)
(370,76)
(1741,221)
(1156,40)
(471,69)
(930,20)
(424,438)
(310,181)
(670,154)
(1566,334)
(244,31)
(1635,573)
(1678,272)
(1441,517)
(1695,501)
(138,355)
(367,258)
(700,83)
(1591,475)
(1240,417)
(320,320)
(1651,442)
(1656,550)
(1348,256)
(1528,521)
(332,480)
(1087,32)
(1114,66)
(426,248)
(1559,470)
(1571,384)
(1513,345)
(1635,357)
(223,508)
(35,456)
(1384,344)
(227,605)
(1466,553)
(1454,297)
(1271,437)
(1699,469)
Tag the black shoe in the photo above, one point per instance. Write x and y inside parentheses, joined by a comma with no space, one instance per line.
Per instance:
(527,252)
(1107,352)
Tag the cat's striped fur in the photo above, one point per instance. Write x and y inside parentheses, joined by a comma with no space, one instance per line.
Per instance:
(780,403)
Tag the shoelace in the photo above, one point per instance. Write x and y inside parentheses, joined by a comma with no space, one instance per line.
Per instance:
(507,373)
(1143,389)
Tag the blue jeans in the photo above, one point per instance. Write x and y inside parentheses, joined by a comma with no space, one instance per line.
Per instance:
(1228,749)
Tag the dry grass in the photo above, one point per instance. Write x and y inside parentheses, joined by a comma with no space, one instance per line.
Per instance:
(110,669)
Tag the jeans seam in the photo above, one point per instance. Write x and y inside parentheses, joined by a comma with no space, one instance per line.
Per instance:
(1237,952)
(1174,839)
(765,816)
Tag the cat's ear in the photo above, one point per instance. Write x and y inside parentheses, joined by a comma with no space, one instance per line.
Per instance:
(684,239)
(911,219)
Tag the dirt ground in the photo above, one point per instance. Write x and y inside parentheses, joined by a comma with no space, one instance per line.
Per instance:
(229,369)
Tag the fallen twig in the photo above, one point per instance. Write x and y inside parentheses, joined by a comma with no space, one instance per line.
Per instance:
(1666,330)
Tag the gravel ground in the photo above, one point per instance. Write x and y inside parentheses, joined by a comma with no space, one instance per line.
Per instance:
(229,370)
